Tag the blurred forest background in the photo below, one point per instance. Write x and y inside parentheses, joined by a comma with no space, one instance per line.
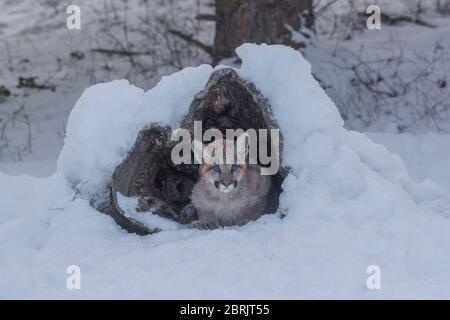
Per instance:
(395,79)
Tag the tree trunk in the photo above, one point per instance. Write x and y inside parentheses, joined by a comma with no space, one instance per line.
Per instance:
(258,21)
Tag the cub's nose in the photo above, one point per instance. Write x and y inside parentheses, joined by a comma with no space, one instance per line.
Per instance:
(227,183)
(225,186)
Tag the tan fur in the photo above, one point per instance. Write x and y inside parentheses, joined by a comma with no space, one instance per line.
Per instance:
(244,202)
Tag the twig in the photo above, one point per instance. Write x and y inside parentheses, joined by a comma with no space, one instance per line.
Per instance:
(120,52)
(189,39)
(206,17)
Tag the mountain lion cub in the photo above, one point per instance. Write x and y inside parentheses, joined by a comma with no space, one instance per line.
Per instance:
(228,193)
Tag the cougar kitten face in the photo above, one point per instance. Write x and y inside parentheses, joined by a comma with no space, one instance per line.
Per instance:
(227,192)
(223,177)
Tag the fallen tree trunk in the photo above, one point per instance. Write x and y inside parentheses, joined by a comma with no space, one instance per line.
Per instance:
(163,188)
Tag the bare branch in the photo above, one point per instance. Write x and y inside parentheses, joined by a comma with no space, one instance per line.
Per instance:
(120,52)
(205,17)
(189,39)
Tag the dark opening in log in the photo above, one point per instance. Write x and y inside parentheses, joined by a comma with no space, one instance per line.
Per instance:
(163,188)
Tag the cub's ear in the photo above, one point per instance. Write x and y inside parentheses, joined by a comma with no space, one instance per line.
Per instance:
(198,147)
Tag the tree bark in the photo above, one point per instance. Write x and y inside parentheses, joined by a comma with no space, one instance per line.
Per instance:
(257,21)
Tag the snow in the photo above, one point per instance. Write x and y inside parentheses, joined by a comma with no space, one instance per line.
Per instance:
(349,204)
(129,205)
(105,121)
(92,150)
(427,156)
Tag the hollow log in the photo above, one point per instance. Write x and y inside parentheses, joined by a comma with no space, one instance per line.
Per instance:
(163,188)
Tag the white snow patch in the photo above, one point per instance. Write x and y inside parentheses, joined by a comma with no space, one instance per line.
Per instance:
(129,207)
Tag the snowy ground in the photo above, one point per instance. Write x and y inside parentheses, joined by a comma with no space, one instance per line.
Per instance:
(425,155)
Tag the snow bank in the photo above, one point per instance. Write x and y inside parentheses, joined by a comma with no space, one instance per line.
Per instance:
(427,156)
(349,204)
(105,121)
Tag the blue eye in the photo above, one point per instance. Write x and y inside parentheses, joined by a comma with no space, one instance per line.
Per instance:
(234,167)
(216,168)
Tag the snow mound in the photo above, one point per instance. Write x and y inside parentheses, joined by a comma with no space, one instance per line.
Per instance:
(106,119)
(349,203)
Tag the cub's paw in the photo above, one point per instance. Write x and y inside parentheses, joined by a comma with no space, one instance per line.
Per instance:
(188,214)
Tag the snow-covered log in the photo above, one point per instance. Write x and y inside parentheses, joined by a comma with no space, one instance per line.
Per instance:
(162,187)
